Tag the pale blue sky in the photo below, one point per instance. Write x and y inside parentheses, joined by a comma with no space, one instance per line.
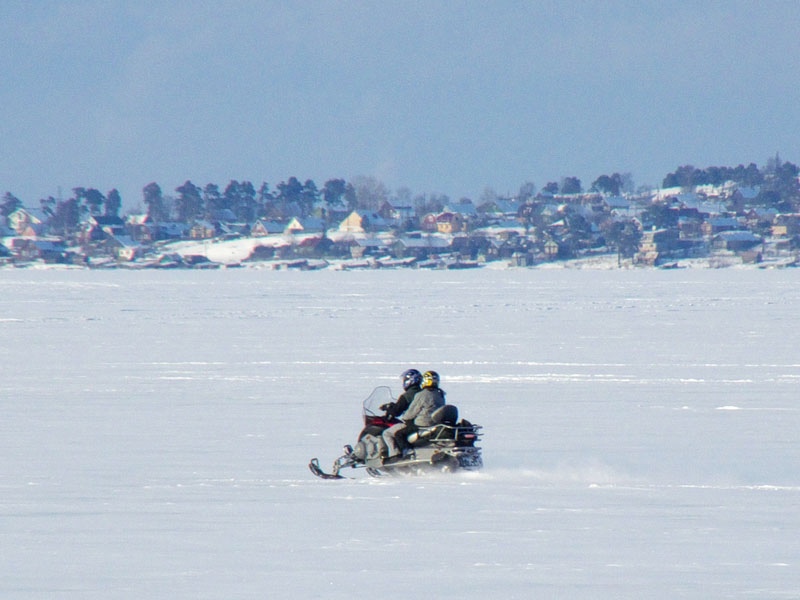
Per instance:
(441,97)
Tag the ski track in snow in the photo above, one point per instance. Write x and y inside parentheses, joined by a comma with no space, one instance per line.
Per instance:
(642,434)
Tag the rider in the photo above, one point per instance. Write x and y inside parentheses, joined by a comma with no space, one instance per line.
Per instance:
(418,414)
(411,379)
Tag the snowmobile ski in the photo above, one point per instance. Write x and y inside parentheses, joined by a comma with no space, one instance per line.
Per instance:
(314,467)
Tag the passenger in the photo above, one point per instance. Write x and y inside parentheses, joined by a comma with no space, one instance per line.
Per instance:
(419,413)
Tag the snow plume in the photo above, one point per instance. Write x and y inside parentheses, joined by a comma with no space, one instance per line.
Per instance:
(588,475)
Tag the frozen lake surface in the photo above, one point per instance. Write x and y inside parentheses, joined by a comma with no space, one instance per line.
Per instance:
(642,434)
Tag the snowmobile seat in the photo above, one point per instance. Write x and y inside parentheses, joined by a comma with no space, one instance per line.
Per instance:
(446,415)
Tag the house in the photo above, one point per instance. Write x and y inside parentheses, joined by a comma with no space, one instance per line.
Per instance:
(202,230)
(305,225)
(124,248)
(465,208)
(786,225)
(48,250)
(516,248)
(330,211)
(501,208)
(450,222)
(504,230)
(752,257)
(140,227)
(172,231)
(368,246)
(736,241)
(313,246)
(475,246)
(549,212)
(551,249)
(111,224)
(716,225)
(508,207)
(294,226)
(699,203)
(689,228)
(232,231)
(618,204)
(760,217)
(96,227)
(744,197)
(657,244)
(429,223)
(353,223)
(262,228)
(421,246)
(397,214)
(28,222)
(360,222)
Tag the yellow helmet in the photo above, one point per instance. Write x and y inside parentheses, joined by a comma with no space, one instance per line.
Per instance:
(430,379)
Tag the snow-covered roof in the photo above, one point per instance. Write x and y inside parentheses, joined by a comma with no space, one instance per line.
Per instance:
(271,226)
(138,219)
(466,209)
(431,241)
(126,241)
(371,242)
(37,214)
(508,206)
(203,224)
(306,224)
(617,202)
(723,222)
(738,236)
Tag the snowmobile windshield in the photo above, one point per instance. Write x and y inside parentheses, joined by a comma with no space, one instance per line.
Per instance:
(380,395)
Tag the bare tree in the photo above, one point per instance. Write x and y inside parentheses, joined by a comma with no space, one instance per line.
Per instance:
(370,192)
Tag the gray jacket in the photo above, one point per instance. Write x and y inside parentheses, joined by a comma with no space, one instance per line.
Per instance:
(422,407)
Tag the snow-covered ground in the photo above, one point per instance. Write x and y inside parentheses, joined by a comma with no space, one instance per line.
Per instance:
(642,434)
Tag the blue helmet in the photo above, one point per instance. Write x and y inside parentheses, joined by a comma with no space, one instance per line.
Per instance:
(411,377)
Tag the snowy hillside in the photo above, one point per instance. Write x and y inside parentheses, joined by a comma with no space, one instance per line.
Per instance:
(642,434)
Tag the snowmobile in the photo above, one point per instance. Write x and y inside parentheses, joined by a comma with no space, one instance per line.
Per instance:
(446,446)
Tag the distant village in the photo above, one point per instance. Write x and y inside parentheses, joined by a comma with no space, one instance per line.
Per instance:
(727,224)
